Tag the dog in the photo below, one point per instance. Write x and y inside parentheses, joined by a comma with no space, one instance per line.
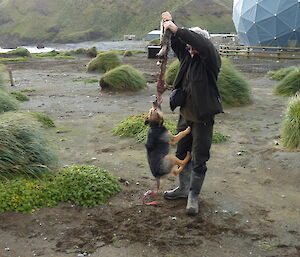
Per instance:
(158,143)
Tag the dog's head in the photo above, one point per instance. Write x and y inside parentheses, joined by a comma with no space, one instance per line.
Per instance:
(155,114)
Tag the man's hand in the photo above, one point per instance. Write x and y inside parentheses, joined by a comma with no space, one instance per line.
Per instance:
(170,25)
(166,16)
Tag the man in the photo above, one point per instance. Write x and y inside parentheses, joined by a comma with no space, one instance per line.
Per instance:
(199,67)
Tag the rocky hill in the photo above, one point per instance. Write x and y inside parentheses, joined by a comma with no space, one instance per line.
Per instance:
(38,21)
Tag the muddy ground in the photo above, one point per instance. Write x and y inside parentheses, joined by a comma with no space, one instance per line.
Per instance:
(249,205)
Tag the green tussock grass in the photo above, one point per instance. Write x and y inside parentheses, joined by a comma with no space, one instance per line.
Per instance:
(90,52)
(282,73)
(7,102)
(19,96)
(2,76)
(17,59)
(233,87)
(83,185)
(128,53)
(290,132)
(24,145)
(88,80)
(289,85)
(44,119)
(155,41)
(29,90)
(104,62)
(123,77)
(22,52)
(134,126)
(171,72)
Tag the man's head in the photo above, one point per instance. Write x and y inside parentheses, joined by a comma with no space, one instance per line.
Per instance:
(201,32)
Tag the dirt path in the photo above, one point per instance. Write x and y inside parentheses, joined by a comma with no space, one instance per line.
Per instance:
(249,205)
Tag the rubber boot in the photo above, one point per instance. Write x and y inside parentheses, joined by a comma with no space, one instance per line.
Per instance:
(192,207)
(184,185)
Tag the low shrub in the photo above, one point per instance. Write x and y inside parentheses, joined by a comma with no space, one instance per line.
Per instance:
(282,73)
(7,102)
(2,76)
(19,96)
(44,119)
(24,145)
(87,186)
(23,52)
(134,126)
(92,52)
(171,72)
(233,87)
(104,62)
(290,132)
(123,77)
(289,85)
(128,53)
(155,41)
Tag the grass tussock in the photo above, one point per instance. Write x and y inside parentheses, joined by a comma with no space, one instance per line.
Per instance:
(134,126)
(104,62)
(155,41)
(19,96)
(24,146)
(289,85)
(44,119)
(83,185)
(123,77)
(7,102)
(128,53)
(171,72)
(282,73)
(233,87)
(22,52)
(290,134)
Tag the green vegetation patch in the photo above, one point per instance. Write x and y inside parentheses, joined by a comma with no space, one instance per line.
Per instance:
(104,62)
(44,119)
(24,145)
(91,52)
(290,85)
(23,52)
(123,77)
(88,80)
(7,102)
(155,41)
(28,90)
(282,73)
(83,185)
(19,96)
(290,135)
(171,72)
(134,126)
(128,53)
(17,59)
(233,87)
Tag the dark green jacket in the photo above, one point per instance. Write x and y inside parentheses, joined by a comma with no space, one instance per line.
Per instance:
(200,72)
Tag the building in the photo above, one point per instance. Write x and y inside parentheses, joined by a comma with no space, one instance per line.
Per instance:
(267,22)
(153,34)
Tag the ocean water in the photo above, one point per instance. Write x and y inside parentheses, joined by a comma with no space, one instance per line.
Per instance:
(101,46)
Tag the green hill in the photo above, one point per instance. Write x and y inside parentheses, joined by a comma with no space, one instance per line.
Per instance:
(37,21)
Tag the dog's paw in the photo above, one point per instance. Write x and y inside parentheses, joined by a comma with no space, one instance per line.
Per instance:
(188,130)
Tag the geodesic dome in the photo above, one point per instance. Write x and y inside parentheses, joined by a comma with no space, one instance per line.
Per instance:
(267,22)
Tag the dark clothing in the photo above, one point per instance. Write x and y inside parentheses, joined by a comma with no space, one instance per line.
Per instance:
(198,142)
(158,147)
(197,75)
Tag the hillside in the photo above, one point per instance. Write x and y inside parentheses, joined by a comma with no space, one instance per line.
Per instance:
(35,21)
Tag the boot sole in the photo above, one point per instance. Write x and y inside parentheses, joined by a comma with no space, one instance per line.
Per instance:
(175,197)
(191,212)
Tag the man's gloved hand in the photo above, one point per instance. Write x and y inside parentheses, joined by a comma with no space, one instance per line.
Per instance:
(166,16)
(171,26)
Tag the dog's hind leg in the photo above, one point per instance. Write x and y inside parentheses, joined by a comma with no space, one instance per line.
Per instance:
(178,162)
(174,139)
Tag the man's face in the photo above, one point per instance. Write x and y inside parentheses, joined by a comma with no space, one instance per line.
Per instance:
(191,50)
